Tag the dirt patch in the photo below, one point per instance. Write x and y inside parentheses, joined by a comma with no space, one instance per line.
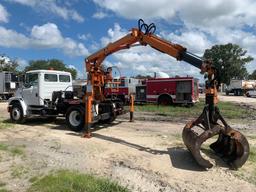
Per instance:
(143,155)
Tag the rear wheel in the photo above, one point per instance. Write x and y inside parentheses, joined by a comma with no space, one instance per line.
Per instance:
(109,107)
(16,114)
(75,118)
(164,100)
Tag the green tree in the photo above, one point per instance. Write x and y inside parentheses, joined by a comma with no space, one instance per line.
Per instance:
(6,64)
(252,75)
(230,60)
(48,64)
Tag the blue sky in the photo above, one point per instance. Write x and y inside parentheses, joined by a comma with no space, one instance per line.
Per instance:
(71,30)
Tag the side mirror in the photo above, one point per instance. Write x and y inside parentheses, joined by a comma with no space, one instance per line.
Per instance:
(27,85)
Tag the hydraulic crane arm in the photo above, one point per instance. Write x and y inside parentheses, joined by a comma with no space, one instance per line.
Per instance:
(137,36)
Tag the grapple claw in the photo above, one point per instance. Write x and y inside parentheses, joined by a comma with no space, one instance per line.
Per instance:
(193,142)
(231,145)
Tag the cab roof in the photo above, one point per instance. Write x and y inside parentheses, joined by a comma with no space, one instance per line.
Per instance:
(49,71)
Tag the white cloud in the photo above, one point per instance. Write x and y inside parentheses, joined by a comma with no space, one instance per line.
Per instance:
(113,34)
(195,41)
(71,66)
(4,15)
(140,9)
(84,36)
(53,7)
(45,36)
(10,38)
(26,2)
(201,23)
(228,13)
(100,15)
(22,63)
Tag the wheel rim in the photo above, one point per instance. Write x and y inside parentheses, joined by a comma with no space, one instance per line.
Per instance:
(75,118)
(16,114)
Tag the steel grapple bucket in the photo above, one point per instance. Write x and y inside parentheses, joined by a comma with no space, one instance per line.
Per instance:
(231,145)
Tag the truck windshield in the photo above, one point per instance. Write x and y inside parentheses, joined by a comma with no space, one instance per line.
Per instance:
(14,77)
(31,79)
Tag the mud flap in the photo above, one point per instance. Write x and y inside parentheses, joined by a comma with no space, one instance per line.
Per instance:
(231,145)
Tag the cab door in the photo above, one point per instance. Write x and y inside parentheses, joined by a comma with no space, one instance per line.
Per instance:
(30,92)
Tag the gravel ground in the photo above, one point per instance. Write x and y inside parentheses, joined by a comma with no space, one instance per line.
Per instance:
(143,155)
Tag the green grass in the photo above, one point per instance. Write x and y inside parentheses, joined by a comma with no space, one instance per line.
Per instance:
(251,136)
(2,184)
(177,136)
(69,181)
(3,147)
(34,179)
(227,109)
(252,155)
(14,150)
(18,171)
(4,190)
(4,124)
(248,173)
(17,151)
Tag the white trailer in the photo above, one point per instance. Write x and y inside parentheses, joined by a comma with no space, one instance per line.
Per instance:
(240,87)
(8,84)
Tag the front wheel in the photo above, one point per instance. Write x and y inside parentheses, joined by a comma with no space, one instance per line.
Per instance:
(75,118)
(16,114)
(248,94)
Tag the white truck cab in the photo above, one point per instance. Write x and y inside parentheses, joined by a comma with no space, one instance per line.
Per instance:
(37,92)
(49,93)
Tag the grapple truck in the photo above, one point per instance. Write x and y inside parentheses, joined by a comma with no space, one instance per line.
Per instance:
(93,107)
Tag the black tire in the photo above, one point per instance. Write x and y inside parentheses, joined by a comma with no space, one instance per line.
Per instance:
(16,114)
(164,100)
(110,109)
(75,118)
(110,120)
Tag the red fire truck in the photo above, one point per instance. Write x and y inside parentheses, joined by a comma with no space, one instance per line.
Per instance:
(166,91)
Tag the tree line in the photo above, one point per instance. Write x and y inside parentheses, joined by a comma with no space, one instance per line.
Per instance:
(229,59)
(7,64)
